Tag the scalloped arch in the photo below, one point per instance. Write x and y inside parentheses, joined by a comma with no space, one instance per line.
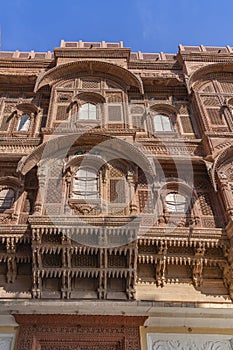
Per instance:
(64,70)
(119,149)
(10,181)
(92,96)
(210,68)
(164,107)
(223,156)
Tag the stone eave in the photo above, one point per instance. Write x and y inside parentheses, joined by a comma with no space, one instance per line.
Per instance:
(155,77)
(215,236)
(12,156)
(205,57)
(8,141)
(13,230)
(178,312)
(123,53)
(16,63)
(108,132)
(149,64)
(67,222)
(177,88)
(170,144)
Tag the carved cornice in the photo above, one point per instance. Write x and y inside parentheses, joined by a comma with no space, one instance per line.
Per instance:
(47,222)
(82,320)
(22,64)
(210,237)
(9,141)
(149,64)
(115,53)
(18,231)
(176,147)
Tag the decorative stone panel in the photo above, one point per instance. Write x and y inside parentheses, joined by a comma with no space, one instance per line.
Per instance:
(72,332)
(189,342)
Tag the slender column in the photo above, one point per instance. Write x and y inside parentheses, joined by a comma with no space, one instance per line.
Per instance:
(39,197)
(226,194)
(132,198)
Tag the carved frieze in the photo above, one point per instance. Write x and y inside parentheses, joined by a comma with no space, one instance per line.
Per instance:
(189,342)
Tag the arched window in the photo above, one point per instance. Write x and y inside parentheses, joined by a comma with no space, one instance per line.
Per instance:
(88,111)
(162,122)
(24,123)
(6,199)
(176,203)
(85,184)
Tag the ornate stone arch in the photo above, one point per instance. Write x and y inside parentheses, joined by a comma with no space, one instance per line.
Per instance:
(119,149)
(222,178)
(164,109)
(175,185)
(199,75)
(223,158)
(108,69)
(22,110)
(13,184)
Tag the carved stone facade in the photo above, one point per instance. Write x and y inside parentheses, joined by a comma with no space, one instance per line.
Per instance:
(79,332)
(116,177)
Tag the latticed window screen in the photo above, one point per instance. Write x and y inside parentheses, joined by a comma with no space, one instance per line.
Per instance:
(214,116)
(211,101)
(138,122)
(54,191)
(117,191)
(24,123)
(84,260)
(162,122)
(117,261)
(62,112)
(205,203)
(145,201)
(6,198)
(52,260)
(86,184)
(115,113)
(227,87)
(90,84)
(175,203)
(186,124)
(88,111)
(5,123)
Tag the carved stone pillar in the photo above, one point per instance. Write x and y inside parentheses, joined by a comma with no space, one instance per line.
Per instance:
(39,197)
(11,260)
(227,195)
(132,200)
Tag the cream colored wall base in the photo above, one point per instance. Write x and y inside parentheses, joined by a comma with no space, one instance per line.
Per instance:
(189,342)
(8,332)
(178,328)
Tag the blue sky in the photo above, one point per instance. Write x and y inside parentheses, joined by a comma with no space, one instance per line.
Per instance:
(145,25)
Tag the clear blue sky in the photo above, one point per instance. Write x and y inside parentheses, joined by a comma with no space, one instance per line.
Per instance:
(145,25)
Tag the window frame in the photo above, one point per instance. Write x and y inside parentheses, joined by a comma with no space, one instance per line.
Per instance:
(10,200)
(162,117)
(27,122)
(175,203)
(88,104)
(85,195)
